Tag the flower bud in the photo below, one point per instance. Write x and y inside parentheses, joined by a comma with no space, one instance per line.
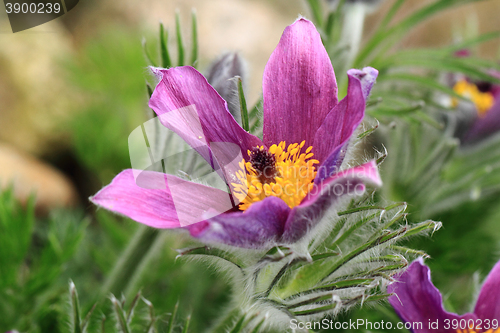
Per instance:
(221,76)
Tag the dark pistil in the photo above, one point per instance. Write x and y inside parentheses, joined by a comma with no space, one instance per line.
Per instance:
(484,86)
(264,163)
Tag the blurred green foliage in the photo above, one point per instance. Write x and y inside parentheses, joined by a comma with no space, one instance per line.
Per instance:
(110,73)
(40,255)
(34,258)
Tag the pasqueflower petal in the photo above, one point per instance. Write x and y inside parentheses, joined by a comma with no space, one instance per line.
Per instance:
(259,225)
(300,107)
(161,201)
(299,86)
(485,126)
(325,194)
(189,106)
(416,300)
(488,303)
(336,130)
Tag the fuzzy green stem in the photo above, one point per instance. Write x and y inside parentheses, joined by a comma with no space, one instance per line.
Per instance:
(129,261)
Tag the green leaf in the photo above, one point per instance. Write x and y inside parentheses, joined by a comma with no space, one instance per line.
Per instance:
(152,317)
(210,251)
(243,106)
(368,132)
(171,323)
(146,53)
(337,24)
(317,310)
(239,325)
(259,325)
(473,41)
(276,254)
(389,16)
(310,301)
(165,56)
(186,324)
(437,60)
(353,228)
(129,261)
(130,313)
(421,81)
(378,240)
(16,232)
(422,227)
(359,209)
(180,43)
(194,39)
(120,315)
(395,219)
(334,286)
(75,306)
(408,250)
(150,92)
(317,11)
(86,321)
(103,326)
(391,35)
(255,118)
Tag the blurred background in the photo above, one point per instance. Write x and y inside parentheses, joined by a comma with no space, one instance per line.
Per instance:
(73,89)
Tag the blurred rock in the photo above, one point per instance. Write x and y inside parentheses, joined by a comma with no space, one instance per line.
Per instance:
(34,96)
(29,175)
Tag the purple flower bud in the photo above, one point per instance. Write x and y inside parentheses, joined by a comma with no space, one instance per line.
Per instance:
(420,304)
(221,75)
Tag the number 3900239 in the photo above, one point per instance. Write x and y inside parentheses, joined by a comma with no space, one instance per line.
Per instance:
(33,8)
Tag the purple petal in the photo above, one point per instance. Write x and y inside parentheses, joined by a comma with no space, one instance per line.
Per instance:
(299,87)
(418,301)
(161,201)
(488,303)
(327,193)
(258,226)
(188,105)
(485,126)
(331,138)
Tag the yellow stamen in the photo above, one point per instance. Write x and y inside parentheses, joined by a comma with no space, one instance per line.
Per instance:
(289,175)
(482,100)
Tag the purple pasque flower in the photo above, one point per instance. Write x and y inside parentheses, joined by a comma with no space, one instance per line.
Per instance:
(278,192)
(484,119)
(416,301)
(486,98)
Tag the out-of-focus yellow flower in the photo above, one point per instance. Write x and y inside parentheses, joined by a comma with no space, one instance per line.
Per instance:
(482,100)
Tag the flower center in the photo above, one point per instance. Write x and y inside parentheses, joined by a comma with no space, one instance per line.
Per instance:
(483,100)
(286,174)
